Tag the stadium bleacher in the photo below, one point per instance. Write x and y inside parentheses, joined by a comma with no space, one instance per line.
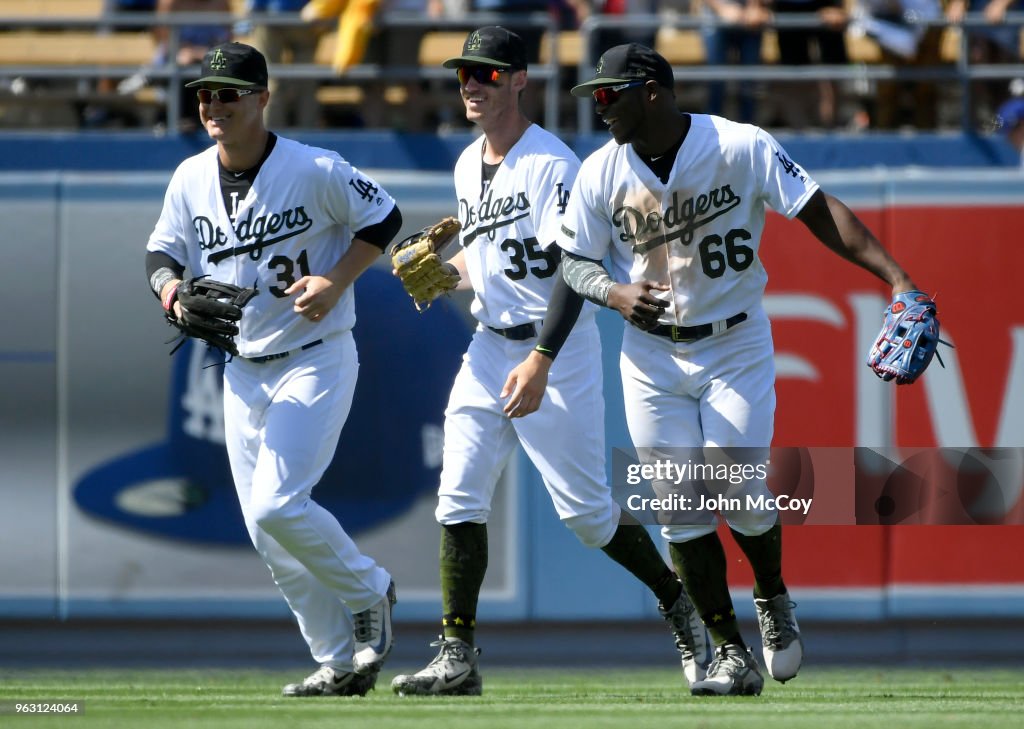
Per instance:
(82,46)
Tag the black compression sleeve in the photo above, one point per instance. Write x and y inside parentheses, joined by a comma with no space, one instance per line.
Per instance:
(563,311)
(382,233)
(157,260)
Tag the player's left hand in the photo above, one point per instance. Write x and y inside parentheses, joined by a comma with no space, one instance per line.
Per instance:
(319,296)
(637,304)
(908,340)
(525,385)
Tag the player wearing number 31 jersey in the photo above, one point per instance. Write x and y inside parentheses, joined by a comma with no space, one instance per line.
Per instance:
(300,225)
(677,203)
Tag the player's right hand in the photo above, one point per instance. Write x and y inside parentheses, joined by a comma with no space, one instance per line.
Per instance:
(637,304)
(525,385)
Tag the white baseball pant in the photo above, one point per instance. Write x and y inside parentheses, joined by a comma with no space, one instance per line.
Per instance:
(564,438)
(717,392)
(282,421)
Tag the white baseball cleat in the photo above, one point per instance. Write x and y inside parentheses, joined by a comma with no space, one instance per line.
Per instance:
(372,630)
(780,636)
(691,637)
(453,672)
(327,681)
(732,673)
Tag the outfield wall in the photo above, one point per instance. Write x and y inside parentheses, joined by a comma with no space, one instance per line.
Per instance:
(117,499)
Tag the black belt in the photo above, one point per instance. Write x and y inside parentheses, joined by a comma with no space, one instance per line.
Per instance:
(519,333)
(282,355)
(692,334)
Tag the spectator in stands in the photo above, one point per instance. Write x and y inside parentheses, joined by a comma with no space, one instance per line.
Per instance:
(101,115)
(732,35)
(824,44)
(360,40)
(128,6)
(1010,121)
(605,38)
(292,103)
(532,35)
(193,42)
(903,42)
(999,43)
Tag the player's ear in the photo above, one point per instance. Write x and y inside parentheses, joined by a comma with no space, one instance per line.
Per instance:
(651,90)
(518,80)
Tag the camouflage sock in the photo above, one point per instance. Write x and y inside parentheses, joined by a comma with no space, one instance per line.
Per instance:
(764,551)
(632,547)
(701,563)
(463,565)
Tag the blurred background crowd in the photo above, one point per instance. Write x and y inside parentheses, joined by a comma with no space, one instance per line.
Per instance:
(854,65)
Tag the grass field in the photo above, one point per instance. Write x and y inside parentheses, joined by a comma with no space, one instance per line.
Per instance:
(640,699)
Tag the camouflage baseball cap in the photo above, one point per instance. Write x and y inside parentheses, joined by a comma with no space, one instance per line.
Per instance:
(233,63)
(625,63)
(491,46)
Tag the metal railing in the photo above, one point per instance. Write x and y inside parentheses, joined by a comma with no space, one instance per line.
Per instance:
(550,73)
(175,75)
(962,72)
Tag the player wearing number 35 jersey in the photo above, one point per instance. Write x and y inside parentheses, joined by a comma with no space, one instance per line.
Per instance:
(300,225)
(677,203)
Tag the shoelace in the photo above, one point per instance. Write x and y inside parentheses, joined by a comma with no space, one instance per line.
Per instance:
(777,625)
(450,650)
(722,660)
(680,622)
(364,625)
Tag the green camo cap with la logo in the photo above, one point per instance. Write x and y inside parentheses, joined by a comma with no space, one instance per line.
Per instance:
(233,63)
(218,62)
(491,46)
(625,63)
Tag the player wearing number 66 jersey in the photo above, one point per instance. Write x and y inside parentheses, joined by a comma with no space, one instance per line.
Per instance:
(677,202)
(512,186)
(300,225)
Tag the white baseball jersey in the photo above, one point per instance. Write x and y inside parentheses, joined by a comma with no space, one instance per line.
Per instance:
(297,219)
(698,233)
(507,228)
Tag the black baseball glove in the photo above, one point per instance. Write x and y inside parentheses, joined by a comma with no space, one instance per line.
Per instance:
(210,311)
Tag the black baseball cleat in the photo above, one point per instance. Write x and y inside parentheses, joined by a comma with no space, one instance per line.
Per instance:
(453,672)
(326,681)
(691,637)
(780,636)
(733,673)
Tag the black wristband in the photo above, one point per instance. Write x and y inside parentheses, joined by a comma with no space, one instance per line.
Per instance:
(563,311)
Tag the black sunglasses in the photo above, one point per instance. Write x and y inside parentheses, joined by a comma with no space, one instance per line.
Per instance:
(607,95)
(481,74)
(224,96)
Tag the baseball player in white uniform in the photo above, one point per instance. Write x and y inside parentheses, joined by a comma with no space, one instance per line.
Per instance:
(677,203)
(300,224)
(512,185)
